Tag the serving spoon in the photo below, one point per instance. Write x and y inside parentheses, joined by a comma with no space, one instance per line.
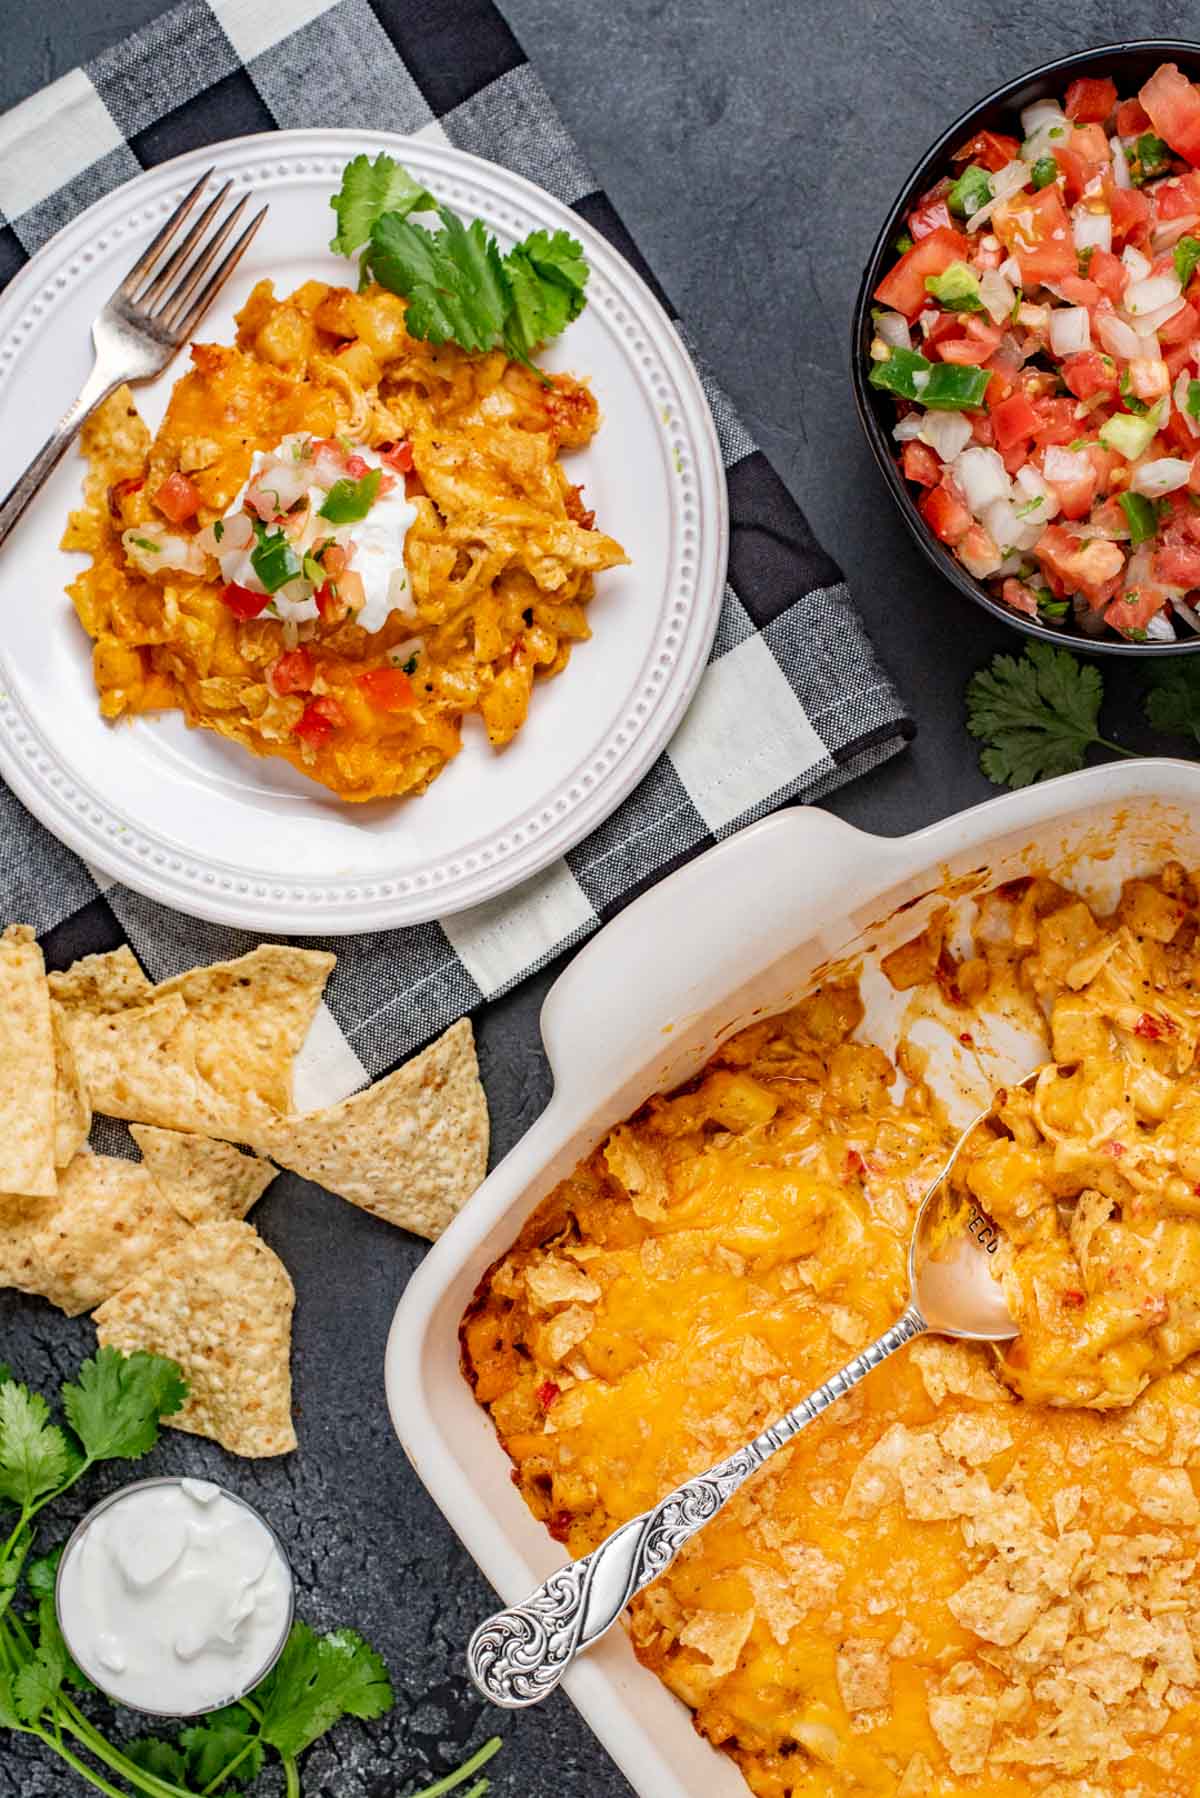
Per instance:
(518,1656)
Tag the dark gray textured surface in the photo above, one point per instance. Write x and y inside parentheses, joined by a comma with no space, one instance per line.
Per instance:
(752,149)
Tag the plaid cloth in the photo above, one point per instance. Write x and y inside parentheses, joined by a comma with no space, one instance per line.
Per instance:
(793,702)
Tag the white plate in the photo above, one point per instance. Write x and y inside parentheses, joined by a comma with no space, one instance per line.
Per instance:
(193,820)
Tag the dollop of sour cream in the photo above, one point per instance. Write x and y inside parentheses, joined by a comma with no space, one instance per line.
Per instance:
(174,1597)
(298,475)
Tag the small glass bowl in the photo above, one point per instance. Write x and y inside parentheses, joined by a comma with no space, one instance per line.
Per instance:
(96,1675)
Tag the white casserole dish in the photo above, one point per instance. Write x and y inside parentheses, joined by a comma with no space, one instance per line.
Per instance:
(738,933)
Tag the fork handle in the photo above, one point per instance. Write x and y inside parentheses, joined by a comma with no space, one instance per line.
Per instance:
(519,1655)
(93,393)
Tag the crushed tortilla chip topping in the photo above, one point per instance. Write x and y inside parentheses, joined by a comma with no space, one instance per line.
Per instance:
(28,1077)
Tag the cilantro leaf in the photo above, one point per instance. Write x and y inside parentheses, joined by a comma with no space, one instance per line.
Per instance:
(368,190)
(316,1681)
(453,279)
(35,1457)
(1037,716)
(9,1715)
(154,1755)
(6,1373)
(10,1570)
(43,1573)
(211,1748)
(546,276)
(1173,704)
(116,1407)
(39,1681)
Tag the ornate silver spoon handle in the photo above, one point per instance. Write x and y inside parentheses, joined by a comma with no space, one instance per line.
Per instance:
(519,1655)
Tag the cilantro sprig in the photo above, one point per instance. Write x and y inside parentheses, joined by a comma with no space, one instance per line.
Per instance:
(1038,715)
(458,285)
(112,1411)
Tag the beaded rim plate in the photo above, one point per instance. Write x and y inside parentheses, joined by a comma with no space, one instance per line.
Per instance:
(198,823)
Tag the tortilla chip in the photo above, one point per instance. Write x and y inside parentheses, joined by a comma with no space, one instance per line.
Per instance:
(99,1230)
(102,983)
(127,1067)
(72,1110)
(27,1077)
(409,1149)
(220,1303)
(210,1050)
(202,1178)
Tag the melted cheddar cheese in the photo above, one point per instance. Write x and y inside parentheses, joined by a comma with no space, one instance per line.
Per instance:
(501,558)
(976,1573)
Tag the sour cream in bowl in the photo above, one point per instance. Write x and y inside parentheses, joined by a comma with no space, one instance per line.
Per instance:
(174,1596)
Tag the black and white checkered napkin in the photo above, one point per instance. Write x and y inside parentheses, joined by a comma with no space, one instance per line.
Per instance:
(793,702)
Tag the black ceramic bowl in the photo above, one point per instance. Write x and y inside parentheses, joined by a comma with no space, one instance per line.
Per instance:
(1129,65)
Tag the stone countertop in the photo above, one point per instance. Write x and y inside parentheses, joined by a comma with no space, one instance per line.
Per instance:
(752,150)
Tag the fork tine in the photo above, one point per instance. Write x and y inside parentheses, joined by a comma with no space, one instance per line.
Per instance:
(178,257)
(218,278)
(149,256)
(175,304)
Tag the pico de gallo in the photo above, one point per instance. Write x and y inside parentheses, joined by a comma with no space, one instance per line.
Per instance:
(1040,334)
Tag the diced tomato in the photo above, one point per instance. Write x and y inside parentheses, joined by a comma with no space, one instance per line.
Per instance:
(1087,568)
(981,428)
(962,350)
(980,556)
(1180,328)
(1134,611)
(1089,372)
(319,720)
(547,1392)
(920,464)
(931,212)
(945,513)
(1015,456)
(1174,108)
(1020,597)
(1090,99)
(1130,210)
(903,287)
(991,149)
(1075,496)
(1194,477)
(243,602)
(1076,290)
(1175,198)
(1175,430)
(388,688)
(1013,420)
(1109,273)
(398,456)
(356,468)
(178,498)
(1037,231)
(1178,565)
(1132,118)
(1057,422)
(1073,168)
(293,672)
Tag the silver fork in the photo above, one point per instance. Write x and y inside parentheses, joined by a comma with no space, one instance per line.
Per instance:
(148,318)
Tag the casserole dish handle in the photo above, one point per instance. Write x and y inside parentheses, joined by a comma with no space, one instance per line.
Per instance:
(705,928)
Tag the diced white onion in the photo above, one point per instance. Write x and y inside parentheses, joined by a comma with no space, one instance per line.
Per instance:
(152,547)
(1152,321)
(1148,345)
(1168,233)
(1164,475)
(1008,180)
(1091,230)
(929,318)
(1070,330)
(1031,485)
(1059,464)
(989,243)
(1033,318)
(920,379)
(1137,264)
(1011,564)
(1118,338)
(1120,167)
(1186,612)
(997,294)
(1039,113)
(403,652)
(1010,532)
(1010,268)
(908,427)
(1180,396)
(893,328)
(945,432)
(1090,622)
(1159,629)
(981,474)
